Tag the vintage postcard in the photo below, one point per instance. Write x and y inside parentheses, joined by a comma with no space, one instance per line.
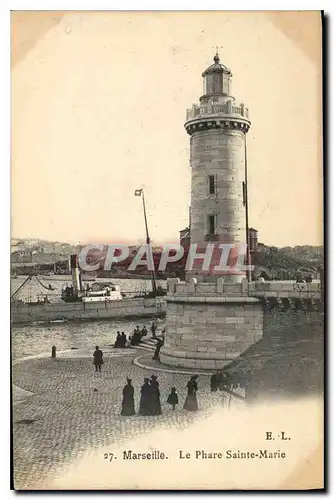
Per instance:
(167,263)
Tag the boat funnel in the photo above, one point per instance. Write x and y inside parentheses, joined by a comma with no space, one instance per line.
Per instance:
(75,273)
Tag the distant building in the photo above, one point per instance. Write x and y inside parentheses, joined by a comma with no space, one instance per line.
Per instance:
(22,253)
(48,247)
(58,247)
(253,239)
(17,247)
(21,256)
(31,243)
(185,237)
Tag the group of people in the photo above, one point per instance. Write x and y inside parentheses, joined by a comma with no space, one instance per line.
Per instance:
(137,335)
(134,339)
(219,381)
(121,341)
(150,404)
(150,391)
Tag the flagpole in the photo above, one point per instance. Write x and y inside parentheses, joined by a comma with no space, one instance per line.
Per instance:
(146,227)
(148,242)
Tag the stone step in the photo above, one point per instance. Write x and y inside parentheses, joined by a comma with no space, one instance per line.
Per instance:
(144,347)
(148,346)
(149,342)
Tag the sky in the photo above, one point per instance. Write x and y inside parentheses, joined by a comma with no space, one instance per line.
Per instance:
(98,109)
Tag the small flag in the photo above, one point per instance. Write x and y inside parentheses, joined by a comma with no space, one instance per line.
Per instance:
(138,192)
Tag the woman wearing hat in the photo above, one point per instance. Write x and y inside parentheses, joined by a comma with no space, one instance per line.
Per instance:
(145,398)
(128,403)
(155,401)
(191,399)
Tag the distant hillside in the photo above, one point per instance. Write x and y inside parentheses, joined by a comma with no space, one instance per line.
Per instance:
(270,262)
(287,262)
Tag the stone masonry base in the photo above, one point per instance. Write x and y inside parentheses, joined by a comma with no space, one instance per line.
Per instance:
(209,332)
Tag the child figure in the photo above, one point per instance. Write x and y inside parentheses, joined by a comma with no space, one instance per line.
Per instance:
(172,399)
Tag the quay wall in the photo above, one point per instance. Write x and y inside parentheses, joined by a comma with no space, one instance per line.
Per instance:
(126,308)
(292,324)
(267,289)
(289,359)
(208,325)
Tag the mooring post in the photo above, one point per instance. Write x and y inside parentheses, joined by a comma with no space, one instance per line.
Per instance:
(53,351)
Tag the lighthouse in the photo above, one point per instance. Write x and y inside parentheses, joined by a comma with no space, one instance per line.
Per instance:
(210,318)
(217,127)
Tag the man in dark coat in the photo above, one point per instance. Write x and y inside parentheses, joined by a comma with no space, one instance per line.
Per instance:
(98,358)
(128,403)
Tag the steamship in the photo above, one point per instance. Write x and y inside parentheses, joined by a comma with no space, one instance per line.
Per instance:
(90,301)
(97,292)
(87,301)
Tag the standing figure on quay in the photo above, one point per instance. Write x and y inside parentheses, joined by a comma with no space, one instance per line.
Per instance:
(190,403)
(210,319)
(98,358)
(145,398)
(128,402)
(155,403)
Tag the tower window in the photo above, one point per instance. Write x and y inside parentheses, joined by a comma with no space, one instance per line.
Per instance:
(211,224)
(212,184)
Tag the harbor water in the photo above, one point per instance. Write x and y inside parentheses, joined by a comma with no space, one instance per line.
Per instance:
(33,339)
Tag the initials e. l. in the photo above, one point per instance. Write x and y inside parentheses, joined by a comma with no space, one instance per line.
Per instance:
(281,435)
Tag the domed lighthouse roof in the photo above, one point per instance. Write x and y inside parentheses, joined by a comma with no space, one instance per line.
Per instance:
(216,81)
(217,67)
(217,106)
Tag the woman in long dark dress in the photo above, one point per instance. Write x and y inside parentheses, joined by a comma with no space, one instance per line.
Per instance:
(155,404)
(128,403)
(191,399)
(145,398)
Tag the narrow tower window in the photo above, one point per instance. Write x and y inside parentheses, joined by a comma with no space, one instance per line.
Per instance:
(212,184)
(211,224)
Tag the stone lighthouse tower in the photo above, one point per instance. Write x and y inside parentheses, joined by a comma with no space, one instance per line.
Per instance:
(211,319)
(217,127)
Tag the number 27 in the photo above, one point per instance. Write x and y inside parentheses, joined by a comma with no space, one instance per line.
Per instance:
(108,455)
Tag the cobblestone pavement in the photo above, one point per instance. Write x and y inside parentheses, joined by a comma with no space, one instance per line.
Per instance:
(73,409)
